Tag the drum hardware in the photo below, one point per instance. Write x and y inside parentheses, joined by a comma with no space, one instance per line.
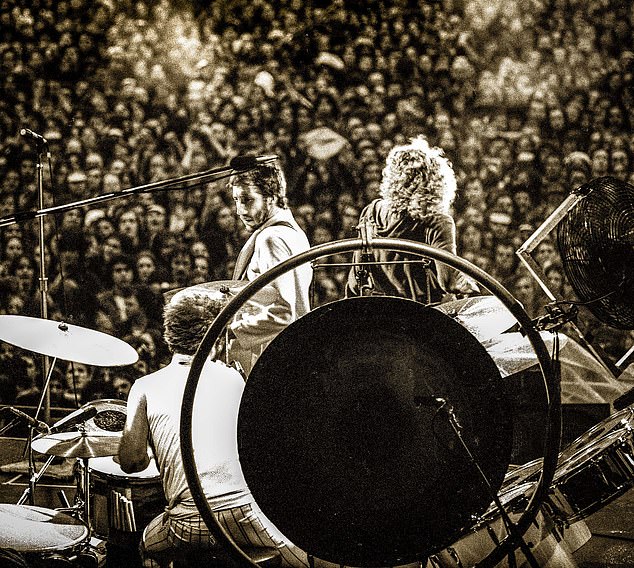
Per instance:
(382,549)
(595,475)
(95,430)
(516,538)
(41,533)
(619,420)
(513,353)
(121,502)
(65,341)
(556,316)
(362,271)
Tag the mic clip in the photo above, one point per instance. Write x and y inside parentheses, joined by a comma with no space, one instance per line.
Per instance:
(556,317)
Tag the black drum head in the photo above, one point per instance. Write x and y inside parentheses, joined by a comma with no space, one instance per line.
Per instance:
(342,440)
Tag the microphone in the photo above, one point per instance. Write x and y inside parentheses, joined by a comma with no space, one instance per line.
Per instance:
(250,162)
(73,419)
(27,133)
(32,422)
(436,401)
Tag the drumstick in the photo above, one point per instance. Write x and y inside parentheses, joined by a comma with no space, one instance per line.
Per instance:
(131,512)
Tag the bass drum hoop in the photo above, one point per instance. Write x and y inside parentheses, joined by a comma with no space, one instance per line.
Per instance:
(552,436)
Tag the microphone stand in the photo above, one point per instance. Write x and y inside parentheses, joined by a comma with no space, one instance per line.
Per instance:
(190,180)
(516,537)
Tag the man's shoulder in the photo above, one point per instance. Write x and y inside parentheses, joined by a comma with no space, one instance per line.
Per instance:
(146,381)
(281,233)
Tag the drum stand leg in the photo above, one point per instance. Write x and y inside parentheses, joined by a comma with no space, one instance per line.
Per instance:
(86,496)
(33,479)
(516,538)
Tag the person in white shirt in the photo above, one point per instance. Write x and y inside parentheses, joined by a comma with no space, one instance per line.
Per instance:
(153,423)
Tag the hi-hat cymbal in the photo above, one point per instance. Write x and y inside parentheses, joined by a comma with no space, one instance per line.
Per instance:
(226,289)
(512,352)
(77,444)
(484,316)
(66,341)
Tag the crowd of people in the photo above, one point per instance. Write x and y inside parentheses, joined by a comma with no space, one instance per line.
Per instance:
(529,100)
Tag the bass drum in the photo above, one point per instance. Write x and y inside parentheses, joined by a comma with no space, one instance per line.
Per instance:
(594,476)
(122,502)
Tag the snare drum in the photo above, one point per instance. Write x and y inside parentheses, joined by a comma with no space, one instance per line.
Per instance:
(120,501)
(595,475)
(618,420)
(37,533)
(482,539)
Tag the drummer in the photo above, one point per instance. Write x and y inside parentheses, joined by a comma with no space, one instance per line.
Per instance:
(153,421)
(259,195)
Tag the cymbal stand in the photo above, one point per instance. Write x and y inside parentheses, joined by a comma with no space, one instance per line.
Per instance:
(33,478)
(86,496)
(29,492)
(516,538)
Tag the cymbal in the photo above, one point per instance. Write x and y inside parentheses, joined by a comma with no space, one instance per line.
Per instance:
(484,316)
(66,341)
(226,289)
(77,444)
(512,352)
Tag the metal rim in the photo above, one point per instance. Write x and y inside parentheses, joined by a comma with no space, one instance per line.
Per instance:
(552,435)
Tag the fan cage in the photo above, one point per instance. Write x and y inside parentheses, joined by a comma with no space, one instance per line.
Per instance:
(596,244)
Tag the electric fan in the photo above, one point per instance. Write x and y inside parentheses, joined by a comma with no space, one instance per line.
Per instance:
(596,245)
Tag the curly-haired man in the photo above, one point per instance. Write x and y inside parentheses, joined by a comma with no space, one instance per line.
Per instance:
(418,186)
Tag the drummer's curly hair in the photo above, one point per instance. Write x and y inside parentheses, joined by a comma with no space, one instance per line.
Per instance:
(418,179)
(187,317)
(269,180)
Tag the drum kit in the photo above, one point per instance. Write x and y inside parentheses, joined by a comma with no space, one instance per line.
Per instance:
(90,435)
(593,470)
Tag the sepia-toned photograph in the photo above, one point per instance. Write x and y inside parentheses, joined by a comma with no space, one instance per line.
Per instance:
(317,284)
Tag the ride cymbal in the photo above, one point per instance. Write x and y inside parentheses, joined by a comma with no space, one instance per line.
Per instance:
(66,341)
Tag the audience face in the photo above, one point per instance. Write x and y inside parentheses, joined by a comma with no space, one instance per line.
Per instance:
(145,268)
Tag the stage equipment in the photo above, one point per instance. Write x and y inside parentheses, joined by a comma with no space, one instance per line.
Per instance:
(484,316)
(617,421)
(77,444)
(596,244)
(595,237)
(365,404)
(61,340)
(226,289)
(40,534)
(120,502)
(513,353)
(595,475)
(358,400)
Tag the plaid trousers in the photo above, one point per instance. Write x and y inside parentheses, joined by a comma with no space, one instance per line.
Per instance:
(166,538)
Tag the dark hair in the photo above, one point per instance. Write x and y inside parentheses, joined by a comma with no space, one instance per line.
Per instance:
(268,179)
(187,317)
